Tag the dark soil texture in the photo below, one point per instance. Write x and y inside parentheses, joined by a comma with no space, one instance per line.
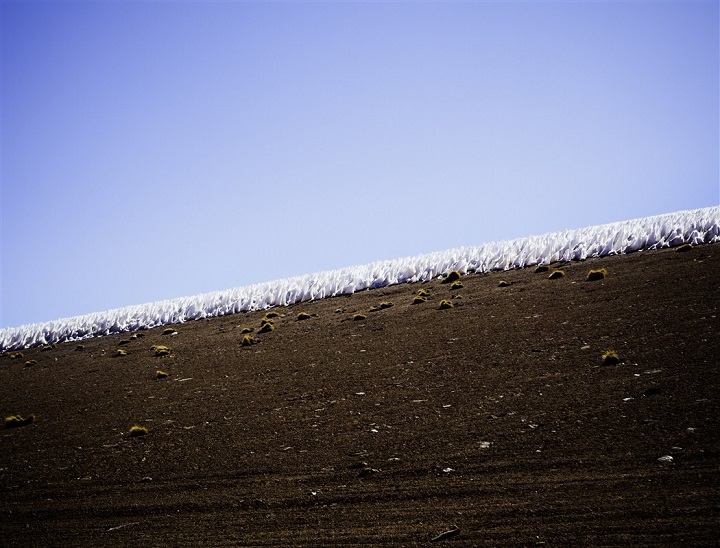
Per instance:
(495,416)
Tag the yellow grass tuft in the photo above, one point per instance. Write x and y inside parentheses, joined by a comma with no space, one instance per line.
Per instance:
(246,330)
(161,374)
(161,350)
(47,347)
(445,304)
(359,317)
(272,314)
(452,276)
(266,326)
(504,283)
(17,356)
(137,430)
(456,285)
(247,340)
(539,269)
(419,299)
(684,247)
(120,352)
(595,275)
(423,293)
(14,421)
(30,362)
(557,274)
(303,316)
(610,358)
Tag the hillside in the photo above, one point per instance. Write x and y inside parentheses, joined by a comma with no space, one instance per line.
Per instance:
(495,415)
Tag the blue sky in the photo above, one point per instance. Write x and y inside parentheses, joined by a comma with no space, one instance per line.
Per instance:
(159,150)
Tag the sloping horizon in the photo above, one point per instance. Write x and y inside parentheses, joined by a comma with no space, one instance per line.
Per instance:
(692,227)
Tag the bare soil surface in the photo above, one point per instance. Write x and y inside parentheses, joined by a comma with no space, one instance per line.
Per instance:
(495,416)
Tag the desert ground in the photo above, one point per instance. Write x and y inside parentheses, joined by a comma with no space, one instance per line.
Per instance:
(495,418)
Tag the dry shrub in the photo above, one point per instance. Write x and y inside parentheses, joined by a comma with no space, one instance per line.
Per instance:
(610,358)
(161,350)
(14,421)
(137,430)
(595,275)
(266,327)
(452,276)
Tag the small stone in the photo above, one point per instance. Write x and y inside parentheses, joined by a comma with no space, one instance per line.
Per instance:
(367,472)
(665,459)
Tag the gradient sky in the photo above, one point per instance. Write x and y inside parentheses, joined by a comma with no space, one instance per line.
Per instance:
(159,150)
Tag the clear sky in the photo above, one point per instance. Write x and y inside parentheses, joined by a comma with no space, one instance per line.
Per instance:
(154,150)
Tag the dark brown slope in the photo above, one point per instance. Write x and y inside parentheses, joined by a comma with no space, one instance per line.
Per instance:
(495,416)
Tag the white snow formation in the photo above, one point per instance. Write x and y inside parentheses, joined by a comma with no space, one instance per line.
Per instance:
(699,226)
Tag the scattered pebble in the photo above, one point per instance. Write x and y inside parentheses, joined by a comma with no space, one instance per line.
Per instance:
(665,459)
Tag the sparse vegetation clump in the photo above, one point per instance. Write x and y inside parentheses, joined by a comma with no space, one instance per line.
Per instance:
(445,304)
(124,341)
(419,299)
(610,358)
(79,348)
(557,274)
(452,276)
(17,356)
(169,331)
(303,316)
(14,421)
(247,340)
(30,362)
(161,350)
(266,326)
(161,374)
(48,347)
(359,317)
(246,330)
(423,293)
(539,269)
(137,430)
(385,304)
(595,275)
(456,285)
(272,314)
(504,283)
(120,352)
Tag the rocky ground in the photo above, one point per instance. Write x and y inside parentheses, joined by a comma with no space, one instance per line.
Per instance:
(495,416)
